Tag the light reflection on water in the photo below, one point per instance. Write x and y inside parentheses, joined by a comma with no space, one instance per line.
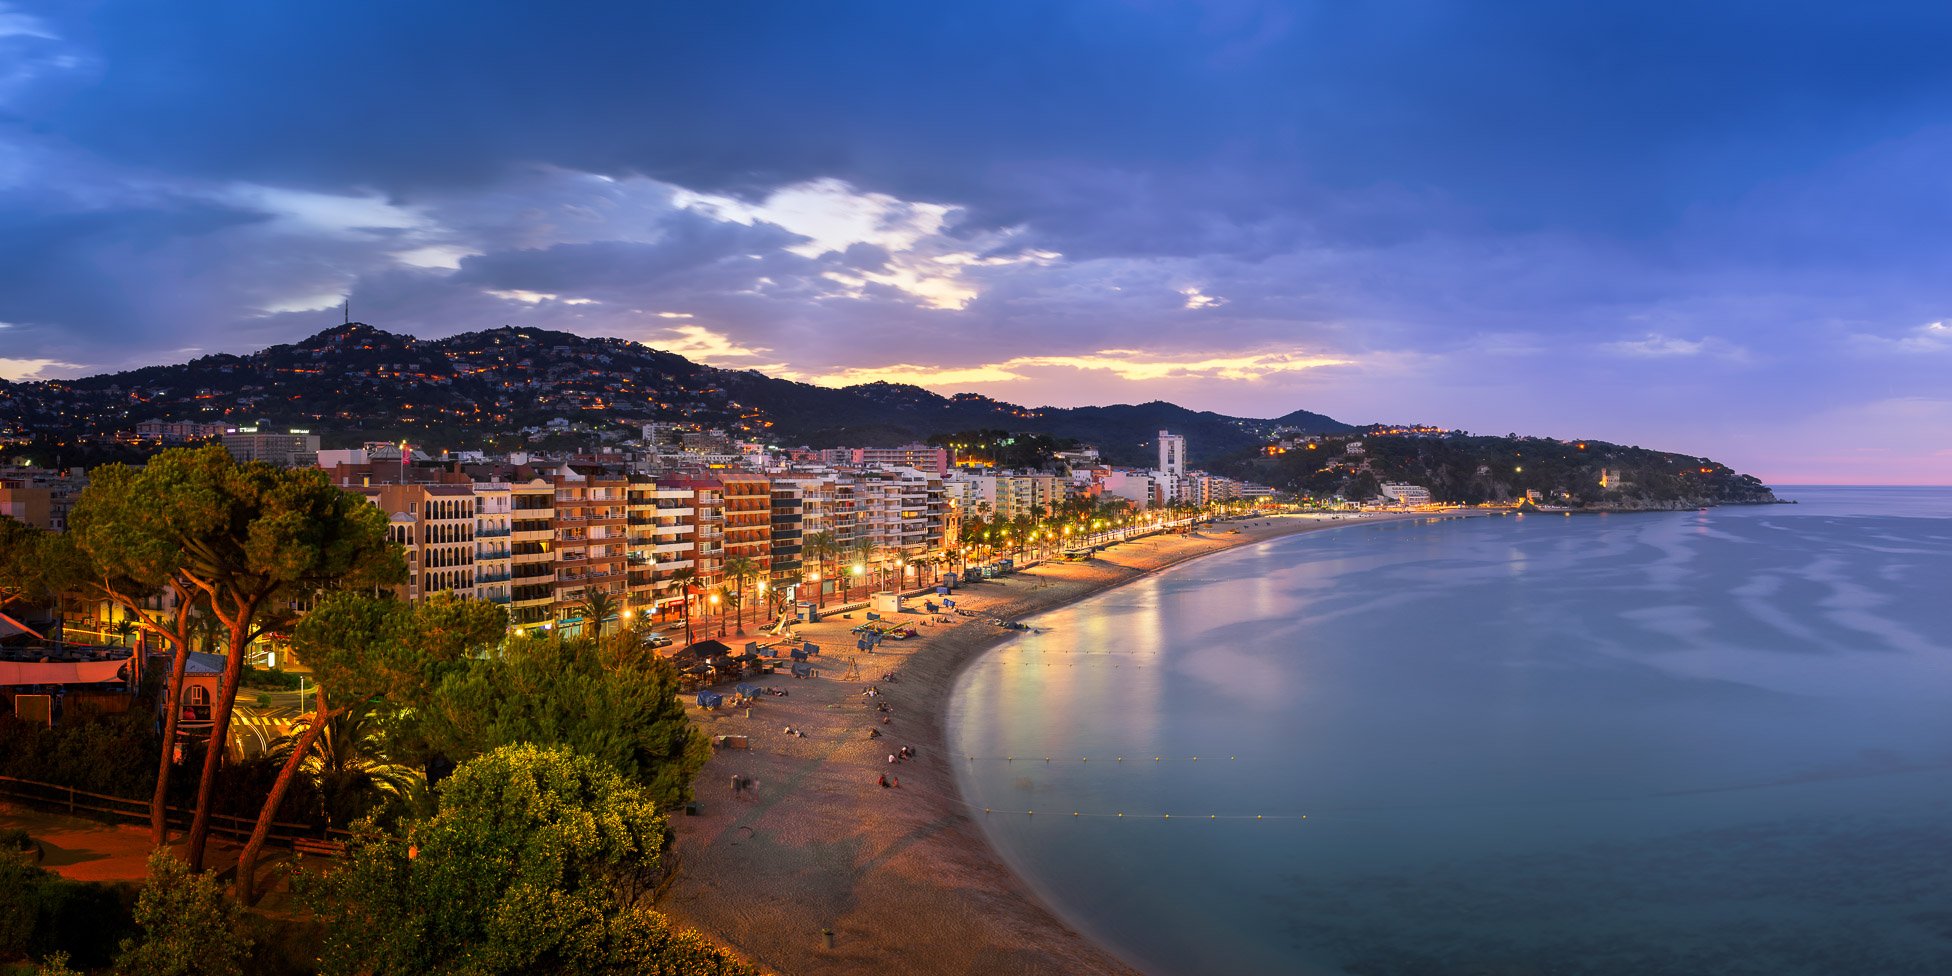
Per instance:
(1687,742)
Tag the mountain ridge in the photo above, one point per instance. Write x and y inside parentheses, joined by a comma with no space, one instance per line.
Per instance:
(354,381)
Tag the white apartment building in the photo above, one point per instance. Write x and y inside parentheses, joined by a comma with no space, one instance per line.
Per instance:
(1406,494)
(494,563)
(1172,454)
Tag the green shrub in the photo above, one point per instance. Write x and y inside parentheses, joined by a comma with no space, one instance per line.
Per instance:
(271,678)
(187,926)
(42,914)
(112,754)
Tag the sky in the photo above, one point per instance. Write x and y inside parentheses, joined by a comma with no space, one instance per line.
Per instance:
(1716,228)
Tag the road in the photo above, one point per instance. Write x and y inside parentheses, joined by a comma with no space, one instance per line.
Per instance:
(254,726)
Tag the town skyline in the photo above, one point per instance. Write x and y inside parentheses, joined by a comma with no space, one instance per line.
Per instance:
(1708,241)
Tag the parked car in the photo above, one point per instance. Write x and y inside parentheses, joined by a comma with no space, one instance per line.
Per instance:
(655,641)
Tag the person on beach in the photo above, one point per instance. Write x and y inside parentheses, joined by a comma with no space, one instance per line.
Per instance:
(898,782)
(891,759)
(884,781)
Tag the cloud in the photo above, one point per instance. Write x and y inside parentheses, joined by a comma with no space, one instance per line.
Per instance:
(700,344)
(1658,346)
(1125,364)
(33,369)
(536,297)
(1930,338)
(1196,299)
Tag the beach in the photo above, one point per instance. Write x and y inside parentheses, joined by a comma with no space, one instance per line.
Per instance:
(819,869)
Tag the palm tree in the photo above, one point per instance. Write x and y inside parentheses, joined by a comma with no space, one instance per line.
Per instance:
(684,578)
(863,554)
(349,765)
(820,546)
(598,604)
(740,569)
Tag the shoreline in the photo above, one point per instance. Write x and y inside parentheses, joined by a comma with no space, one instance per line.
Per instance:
(904,879)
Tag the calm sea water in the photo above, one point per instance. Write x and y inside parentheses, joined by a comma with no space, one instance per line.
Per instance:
(1678,743)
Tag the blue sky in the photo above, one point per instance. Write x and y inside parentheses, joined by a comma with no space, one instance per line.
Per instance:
(1711,227)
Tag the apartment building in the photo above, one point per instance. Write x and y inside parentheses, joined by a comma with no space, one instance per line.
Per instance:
(493,558)
(435,524)
(40,497)
(591,525)
(748,519)
(532,544)
(903,511)
(1003,497)
(922,457)
(291,449)
(788,533)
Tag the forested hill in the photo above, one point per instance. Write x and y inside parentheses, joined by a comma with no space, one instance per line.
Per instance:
(1471,469)
(354,382)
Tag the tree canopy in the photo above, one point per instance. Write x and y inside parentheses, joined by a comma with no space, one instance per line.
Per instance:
(605,700)
(536,863)
(251,541)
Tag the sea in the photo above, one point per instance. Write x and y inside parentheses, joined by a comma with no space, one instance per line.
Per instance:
(1690,743)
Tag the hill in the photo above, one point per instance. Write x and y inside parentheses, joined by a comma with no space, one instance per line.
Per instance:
(1459,467)
(355,382)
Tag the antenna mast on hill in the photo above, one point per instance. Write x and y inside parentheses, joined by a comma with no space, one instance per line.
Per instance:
(348,308)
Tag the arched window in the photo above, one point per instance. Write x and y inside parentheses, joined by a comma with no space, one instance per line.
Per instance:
(199,695)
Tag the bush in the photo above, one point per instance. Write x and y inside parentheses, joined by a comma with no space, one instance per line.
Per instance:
(112,754)
(42,914)
(187,925)
(271,678)
(537,861)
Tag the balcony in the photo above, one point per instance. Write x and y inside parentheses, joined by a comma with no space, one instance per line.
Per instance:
(490,533)
(497,578)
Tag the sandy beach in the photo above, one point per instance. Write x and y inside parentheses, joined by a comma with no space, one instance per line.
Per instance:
(903,878)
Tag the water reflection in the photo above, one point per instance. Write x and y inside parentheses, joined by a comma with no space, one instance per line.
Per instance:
(1689,742)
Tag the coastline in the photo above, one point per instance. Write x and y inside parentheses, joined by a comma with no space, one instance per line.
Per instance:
(904,879)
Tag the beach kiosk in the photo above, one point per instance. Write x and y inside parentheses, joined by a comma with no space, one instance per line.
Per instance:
(886,601)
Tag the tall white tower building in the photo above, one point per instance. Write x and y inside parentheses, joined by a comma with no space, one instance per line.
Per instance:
(1172,454)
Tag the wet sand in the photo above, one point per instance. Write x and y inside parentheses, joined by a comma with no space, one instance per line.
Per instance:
(902,877)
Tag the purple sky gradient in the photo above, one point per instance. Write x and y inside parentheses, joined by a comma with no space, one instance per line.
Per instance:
(1716,228)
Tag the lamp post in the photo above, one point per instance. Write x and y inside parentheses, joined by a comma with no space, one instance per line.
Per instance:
(713,600)
(859,571)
